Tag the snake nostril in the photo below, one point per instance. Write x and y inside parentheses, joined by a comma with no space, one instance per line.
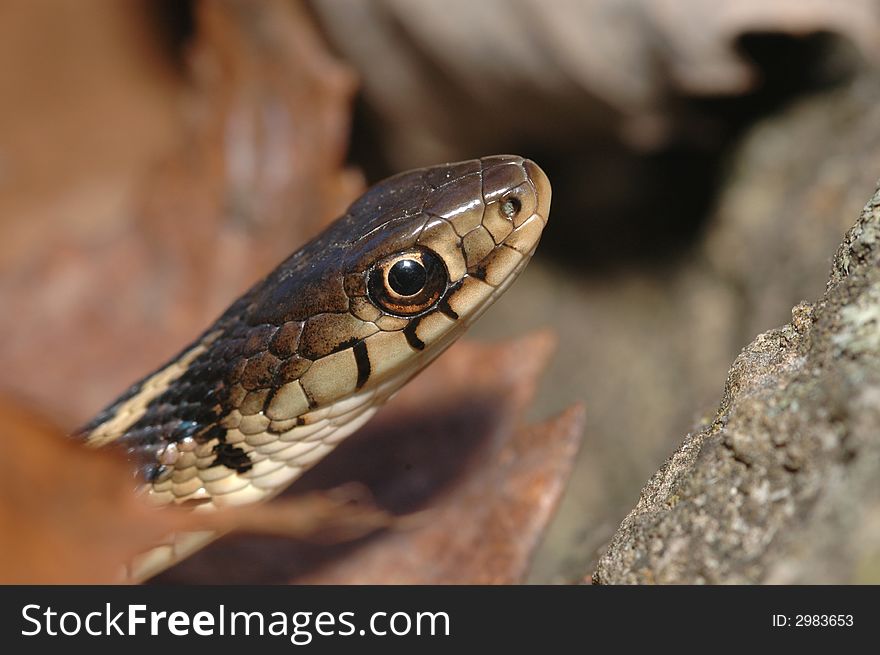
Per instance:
(511,207)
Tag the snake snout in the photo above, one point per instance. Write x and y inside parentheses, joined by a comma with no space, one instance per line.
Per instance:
(543,191)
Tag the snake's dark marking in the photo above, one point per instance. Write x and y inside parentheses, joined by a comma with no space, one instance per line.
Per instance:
(310,352)
(348,343)
(410,333)
(232,457)
(214,432)
(443,305)
(362,358)
(478,271)
(151,472)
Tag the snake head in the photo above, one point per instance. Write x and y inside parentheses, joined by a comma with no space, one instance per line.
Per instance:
(410,266)
(312,350)
(387,287)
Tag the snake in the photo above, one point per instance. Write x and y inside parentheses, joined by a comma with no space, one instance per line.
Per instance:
(310,352)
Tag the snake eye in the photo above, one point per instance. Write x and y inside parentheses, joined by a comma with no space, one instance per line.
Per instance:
(407,283)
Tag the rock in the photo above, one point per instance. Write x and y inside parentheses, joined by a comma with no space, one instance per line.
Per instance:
(782,485)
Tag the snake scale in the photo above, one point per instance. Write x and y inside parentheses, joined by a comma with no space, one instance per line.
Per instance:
(309,353)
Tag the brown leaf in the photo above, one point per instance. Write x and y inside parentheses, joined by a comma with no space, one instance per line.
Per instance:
(486,528)
(67,514)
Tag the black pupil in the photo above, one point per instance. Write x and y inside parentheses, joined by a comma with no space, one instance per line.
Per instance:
(407,277)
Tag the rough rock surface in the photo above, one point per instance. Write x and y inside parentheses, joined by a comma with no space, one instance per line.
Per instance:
(782,485)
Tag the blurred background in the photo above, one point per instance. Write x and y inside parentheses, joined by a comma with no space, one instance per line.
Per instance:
(156,157)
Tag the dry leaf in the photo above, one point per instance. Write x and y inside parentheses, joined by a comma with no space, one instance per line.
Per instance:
(67,514)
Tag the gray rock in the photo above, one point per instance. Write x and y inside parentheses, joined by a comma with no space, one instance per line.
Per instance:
(783,485)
